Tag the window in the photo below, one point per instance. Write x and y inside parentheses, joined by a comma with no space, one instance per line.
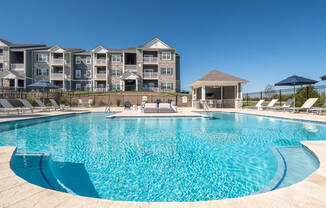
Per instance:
(88,60)
(78,86)
(1,51)
(1,67)
(166,70)
(116,58)
(166,55)
(42,72)
(78,60)
(88,86)
(88,73)
(78,73)
(115,86)
(42,57)
(167,85)
(115,72)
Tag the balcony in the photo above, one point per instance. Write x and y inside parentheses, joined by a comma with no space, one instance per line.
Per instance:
(1,57)
(57,61)
(150,60)
(17,66)
(150,75)
(99,89)
(130,68)
(100,76)
(56,76)
(100,62)
(150,89)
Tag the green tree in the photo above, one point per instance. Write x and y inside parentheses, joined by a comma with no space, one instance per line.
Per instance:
(306,92)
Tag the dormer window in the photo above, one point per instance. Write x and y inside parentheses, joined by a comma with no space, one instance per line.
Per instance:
(166,55)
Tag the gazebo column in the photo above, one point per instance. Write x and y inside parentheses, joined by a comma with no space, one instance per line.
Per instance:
(203,93)
(16,83)
(136,84)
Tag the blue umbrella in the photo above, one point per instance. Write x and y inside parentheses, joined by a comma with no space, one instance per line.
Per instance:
(323,77)
(295,80)
(44,85)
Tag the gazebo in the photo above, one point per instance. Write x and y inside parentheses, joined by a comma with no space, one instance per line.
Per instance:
(217,89)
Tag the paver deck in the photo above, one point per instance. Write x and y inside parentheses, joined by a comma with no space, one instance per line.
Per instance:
(311,192)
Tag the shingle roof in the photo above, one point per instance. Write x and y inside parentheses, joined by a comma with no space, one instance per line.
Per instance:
(18,45)
(215,75)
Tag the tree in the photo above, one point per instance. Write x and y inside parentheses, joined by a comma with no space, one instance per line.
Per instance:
(308,92)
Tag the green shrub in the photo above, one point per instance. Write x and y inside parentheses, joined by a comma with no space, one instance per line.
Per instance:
(93,102)
(308,92)
(32,101)
(49,104)
(63,101)
(117,102)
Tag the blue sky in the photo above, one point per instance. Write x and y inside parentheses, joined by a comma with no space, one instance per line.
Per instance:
(259,40)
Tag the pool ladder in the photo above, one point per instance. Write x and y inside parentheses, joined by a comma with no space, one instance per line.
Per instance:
(206,109)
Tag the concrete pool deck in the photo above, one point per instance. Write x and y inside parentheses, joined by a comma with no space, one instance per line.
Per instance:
(311,192)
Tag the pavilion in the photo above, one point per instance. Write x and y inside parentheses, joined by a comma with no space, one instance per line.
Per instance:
(217,89)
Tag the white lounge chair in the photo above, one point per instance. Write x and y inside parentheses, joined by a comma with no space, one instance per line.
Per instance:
(150,108)
(7,107)
(165,108)
(258,105)
(56,106)
(42,106)
(90,102)
(306,105)
(27,104)
(80,103)
(285,106)
(174,107)
(271,104)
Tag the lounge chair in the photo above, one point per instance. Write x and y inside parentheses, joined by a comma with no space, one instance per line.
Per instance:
(174,107)
(150,108)
(306,106)
(7,107)
(271,104)
(80,103)
(165,108)
(90,102)
(27,104)
(285,106)
(258,105)
(42,106)
(56,106)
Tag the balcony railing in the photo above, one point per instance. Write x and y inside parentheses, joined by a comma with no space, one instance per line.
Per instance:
(100,61)
(57,76)
(150,75)
(130,68)
(150,89)
(150,60)
(100,76)
(17,66)
(57,61)
(1,57)
(99,89)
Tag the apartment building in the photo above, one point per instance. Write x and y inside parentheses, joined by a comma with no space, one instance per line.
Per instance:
(154,66)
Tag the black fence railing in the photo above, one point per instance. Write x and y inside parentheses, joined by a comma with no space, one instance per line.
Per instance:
(282,95)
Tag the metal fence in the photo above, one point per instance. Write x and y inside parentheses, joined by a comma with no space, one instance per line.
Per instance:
(301,95)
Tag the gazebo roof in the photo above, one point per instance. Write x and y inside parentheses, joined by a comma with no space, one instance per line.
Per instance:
(215,77)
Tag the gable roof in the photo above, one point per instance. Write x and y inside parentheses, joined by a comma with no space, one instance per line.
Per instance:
(11,75)
(129,75)
(99,49)
(215,76)
(156,43)
(5,42)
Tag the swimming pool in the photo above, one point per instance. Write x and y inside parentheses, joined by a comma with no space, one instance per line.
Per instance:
(162,159)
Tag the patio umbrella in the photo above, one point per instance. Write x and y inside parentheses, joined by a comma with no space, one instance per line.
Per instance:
(295,80)
(323,77)
(43,85)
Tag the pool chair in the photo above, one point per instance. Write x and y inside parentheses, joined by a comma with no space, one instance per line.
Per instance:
(42,106)
(127,105)
(27,104)
(7,107)
(258,105)
(56,106)
(271,104)
(285,106)
(306,106)
(165,108)
(150,108)
(174,107)
(90,102)
(80,103)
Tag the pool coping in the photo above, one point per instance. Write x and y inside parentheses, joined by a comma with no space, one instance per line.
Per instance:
(16,192)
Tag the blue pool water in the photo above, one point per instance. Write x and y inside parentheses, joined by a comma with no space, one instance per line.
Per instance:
(160,159)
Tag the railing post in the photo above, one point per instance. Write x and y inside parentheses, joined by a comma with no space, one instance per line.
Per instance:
(247,99)
(261,95)
(280,97)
